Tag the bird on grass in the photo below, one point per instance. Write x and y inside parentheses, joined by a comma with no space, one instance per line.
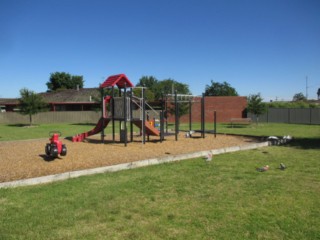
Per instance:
(263,169)
(282,166)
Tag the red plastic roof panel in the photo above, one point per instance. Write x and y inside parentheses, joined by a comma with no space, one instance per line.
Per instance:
(120,80)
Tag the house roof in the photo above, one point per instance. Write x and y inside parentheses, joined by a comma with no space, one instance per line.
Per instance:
(83,95)
(9,101)
(120,80)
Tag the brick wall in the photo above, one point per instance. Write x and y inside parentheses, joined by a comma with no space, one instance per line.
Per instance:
(226,108)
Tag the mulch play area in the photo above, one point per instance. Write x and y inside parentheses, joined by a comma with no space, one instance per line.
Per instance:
(27,158)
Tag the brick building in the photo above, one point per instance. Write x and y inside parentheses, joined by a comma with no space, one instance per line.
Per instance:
(225,107)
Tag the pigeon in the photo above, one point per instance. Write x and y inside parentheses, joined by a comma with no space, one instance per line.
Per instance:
(273,140)
(282,166)
(263,169)
(209,156)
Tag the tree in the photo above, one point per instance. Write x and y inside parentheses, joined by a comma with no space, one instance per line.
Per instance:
(220,89)
(299,97)
(31,103)
(149,82)
(156,89)
(169,86)
(160,89)
(318,93)
(166,86)
(256,105)
(62,80)
(148,94)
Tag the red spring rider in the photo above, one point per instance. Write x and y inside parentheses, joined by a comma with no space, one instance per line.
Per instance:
(55,147)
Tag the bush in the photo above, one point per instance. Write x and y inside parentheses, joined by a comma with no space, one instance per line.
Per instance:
(296,104)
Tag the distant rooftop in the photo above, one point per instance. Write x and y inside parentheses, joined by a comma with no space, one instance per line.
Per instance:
(7,101)
(83,95)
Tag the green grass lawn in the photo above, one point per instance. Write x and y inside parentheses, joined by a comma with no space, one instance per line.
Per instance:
(21,132)
(262,129)
(222,199)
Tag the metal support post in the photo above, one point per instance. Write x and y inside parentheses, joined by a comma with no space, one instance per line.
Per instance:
(202,117)
(125,114)
(161,126)
(190,115)
(176,115)
(131,116)
(215,123)
(112,113)
(102,114)
(143,124)
(162,119)
(166,112)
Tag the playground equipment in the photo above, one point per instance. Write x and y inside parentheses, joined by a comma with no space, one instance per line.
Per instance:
(175,99)
(121,109)
(127,108)
(55,147)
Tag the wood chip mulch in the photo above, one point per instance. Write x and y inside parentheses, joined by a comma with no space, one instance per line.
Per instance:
(27,159)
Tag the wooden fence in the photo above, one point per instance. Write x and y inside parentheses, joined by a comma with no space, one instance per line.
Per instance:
(51,117)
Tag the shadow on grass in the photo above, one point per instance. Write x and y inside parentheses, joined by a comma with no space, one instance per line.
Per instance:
(235,125)
(305,143)
(22,125)
(116,141)
(84,124)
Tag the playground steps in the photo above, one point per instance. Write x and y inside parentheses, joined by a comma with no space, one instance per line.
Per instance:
(150,130)
(102,123)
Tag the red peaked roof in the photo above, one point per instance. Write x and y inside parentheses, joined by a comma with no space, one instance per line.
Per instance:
(120,80)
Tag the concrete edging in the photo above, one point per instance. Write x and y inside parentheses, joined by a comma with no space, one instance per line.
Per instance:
(125,166)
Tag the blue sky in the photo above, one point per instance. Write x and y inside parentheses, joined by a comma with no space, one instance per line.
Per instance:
(257,46)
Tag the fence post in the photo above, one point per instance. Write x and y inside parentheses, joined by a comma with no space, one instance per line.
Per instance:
(310,116)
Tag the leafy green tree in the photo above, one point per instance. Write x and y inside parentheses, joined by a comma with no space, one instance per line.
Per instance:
(148,94)
(297,104)
(62,80)
(256,105)
(157,88)
(169,86)
(31,103)
(149,82)
(299,97)
(220,89)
